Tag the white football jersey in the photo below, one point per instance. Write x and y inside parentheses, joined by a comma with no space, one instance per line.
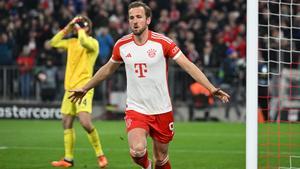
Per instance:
(146,72)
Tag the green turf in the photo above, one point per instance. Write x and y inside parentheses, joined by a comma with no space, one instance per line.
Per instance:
(32,144)
(278,142)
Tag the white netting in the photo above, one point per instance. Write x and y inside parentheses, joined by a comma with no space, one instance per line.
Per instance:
(279,83)
(279,37)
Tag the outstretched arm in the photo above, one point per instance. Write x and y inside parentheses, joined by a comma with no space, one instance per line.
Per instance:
(103,73)
(199,76)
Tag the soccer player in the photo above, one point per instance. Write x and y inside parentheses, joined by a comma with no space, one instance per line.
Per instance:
(149,110)
(81,56)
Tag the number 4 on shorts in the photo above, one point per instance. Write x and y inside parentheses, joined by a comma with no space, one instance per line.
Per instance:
(84,102)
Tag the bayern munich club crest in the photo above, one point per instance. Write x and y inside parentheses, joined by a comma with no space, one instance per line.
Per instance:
(151,53)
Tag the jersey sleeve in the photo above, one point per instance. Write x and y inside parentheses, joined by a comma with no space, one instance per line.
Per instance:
(171,49)
(116,56)
(87,42)
(58,42)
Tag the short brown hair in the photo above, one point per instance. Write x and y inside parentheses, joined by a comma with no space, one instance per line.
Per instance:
(136,4)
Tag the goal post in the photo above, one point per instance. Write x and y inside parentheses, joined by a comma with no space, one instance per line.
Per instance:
(251,85)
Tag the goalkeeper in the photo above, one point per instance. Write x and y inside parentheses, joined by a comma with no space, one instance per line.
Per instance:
(81,56)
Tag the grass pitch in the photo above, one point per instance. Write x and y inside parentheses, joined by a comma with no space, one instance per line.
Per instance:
(279,146)
(33,144)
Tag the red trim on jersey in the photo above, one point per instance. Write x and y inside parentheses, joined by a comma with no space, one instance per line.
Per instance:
(167,43)
(116,56)
(127,36)
(149,34)
(160,36)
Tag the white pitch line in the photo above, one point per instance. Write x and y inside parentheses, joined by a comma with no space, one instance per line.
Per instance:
(125,150)
(178,134)
(3,147)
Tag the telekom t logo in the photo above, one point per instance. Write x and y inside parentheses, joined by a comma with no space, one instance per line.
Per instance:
(140,69)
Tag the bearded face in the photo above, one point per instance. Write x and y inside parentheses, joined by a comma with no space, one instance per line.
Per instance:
(138,21)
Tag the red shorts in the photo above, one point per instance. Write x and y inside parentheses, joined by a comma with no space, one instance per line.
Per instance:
(160,126)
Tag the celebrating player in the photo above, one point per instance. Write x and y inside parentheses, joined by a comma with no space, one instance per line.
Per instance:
(149,110)
(82,53)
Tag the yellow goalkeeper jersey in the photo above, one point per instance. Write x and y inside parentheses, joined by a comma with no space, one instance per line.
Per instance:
(81,56)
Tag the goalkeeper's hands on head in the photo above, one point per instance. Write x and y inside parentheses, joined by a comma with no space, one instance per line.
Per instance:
(77,27)
(72,24)
(80,23)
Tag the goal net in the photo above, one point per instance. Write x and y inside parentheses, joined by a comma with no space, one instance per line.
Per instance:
(279,84)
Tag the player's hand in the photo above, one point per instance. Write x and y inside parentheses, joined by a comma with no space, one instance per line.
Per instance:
(224,97)
(77,95)
(72,23)
(75,20)
(77,26)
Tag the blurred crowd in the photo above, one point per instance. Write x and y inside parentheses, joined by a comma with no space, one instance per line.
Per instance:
(210,32)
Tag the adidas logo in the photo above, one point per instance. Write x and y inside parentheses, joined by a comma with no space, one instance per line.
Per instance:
(128,55)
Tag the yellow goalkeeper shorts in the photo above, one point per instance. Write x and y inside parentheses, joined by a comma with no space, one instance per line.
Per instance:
(69,108)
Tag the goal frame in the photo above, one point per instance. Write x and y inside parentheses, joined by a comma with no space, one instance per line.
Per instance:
(252,86)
